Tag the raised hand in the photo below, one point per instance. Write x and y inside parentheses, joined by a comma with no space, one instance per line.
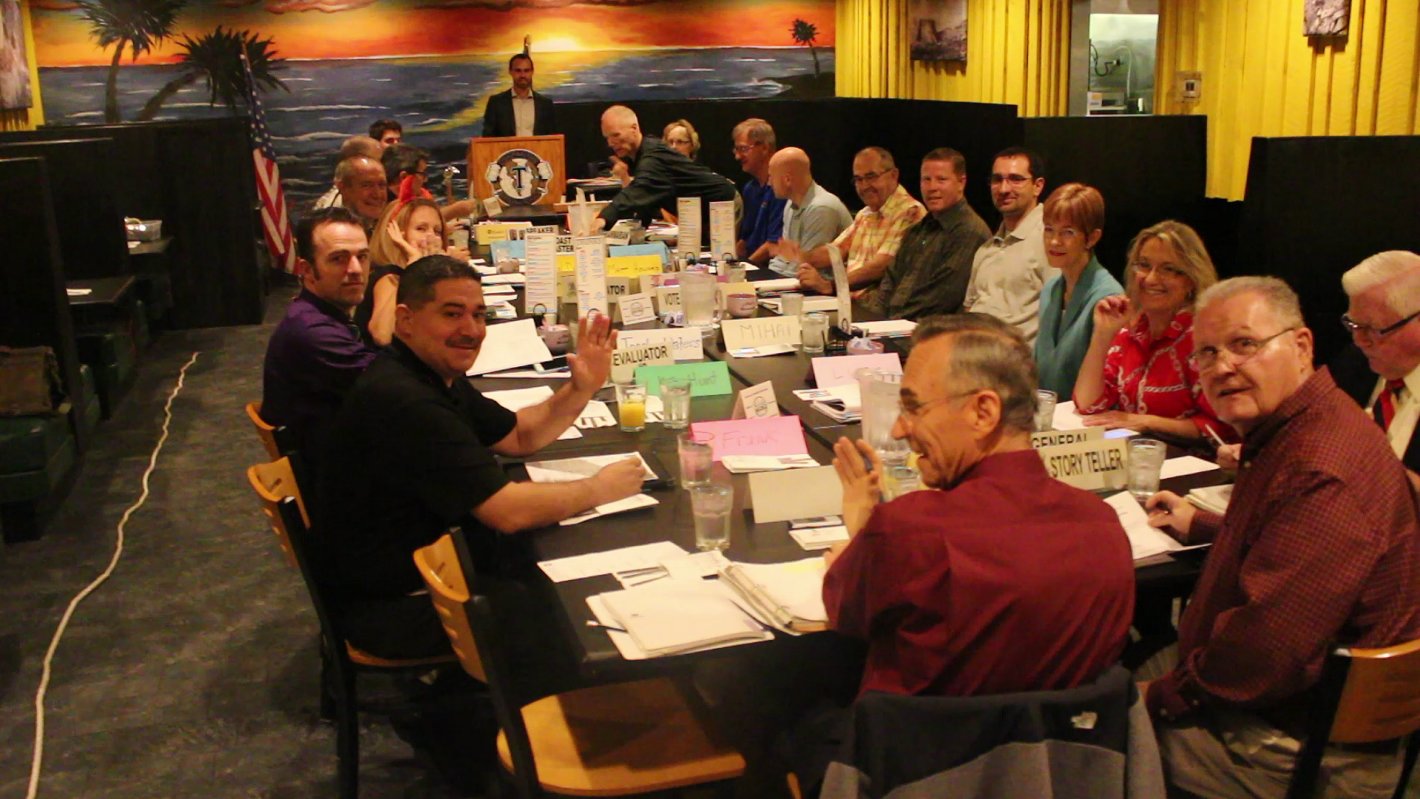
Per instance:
(592,363)
(1110,314)
(862,483)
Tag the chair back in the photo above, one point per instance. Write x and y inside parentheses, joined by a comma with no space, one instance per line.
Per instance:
(1363,696)
(266,432)
(274,482)
(446,567)
(275,486)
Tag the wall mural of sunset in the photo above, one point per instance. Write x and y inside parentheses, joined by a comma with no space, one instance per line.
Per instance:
(431,64)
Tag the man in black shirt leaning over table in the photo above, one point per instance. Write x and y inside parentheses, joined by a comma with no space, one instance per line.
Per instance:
(660,174)
(411,454)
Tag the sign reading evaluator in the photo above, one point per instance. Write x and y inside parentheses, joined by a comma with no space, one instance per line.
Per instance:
(625,360)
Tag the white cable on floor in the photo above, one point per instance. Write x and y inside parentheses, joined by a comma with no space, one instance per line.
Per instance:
(89,589)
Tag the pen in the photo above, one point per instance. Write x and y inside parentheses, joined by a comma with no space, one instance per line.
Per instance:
(595,623)
(1207,428)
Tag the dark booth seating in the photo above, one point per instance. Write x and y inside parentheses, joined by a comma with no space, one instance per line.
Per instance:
(195,175)
(37,453)
(1317,206)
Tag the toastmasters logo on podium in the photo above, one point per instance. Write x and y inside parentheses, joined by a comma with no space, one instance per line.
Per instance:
(519,177)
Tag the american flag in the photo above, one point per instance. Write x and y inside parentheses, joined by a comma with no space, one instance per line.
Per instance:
(274,222)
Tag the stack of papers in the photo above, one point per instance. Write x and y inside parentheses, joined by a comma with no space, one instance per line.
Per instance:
(818,533)
(612,561)
(633,502)
(744,464)
(669,617)
(566,470)
(1148,544)
(777,284)
(788,595)
(890,327)
(1212,498)
(824,304)
(518,398)
(844,403)
(1067,419)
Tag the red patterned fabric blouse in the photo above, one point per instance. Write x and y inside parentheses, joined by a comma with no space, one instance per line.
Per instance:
(1153,376)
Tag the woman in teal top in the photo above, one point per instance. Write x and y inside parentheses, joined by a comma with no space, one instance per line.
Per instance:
(1074,222)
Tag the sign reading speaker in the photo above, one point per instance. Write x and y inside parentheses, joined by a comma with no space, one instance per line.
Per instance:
(519,177)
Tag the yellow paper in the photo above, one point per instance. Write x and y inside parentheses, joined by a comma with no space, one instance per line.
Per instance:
(489,232)
(633,265)
(566,263)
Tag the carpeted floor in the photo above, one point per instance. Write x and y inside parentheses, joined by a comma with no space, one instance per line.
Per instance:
(193,671)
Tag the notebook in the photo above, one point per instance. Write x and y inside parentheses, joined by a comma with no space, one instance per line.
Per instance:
(787,595)
(690,620)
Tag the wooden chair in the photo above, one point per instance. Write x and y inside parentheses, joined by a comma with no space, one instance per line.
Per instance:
(606,740)
(1364,696)
(271,437)
(275,485)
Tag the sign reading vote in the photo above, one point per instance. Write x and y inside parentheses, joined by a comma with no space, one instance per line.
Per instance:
(771,435)
(1091,465)
(686,344)
(668,298)
(740,333)
(839,369)
(1055,438)
(625,360)
(707,379)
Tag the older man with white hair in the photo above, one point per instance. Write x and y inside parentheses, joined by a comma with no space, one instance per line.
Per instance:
(660,174)
(1319,546)
(1382,372)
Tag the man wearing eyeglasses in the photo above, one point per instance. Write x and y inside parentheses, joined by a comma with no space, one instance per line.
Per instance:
(1319,546)
(1382,372)
(870,244)
(758,236)
(1010,270)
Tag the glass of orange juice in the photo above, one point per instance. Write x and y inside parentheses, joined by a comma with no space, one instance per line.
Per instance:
(631,406)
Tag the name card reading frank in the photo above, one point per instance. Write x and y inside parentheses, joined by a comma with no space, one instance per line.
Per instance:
(1091,465)
(771,435)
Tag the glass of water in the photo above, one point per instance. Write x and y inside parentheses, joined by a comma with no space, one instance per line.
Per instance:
(696,459)
(1146,461)
(675,402)
(1045,400)
(814,327)
(711,503)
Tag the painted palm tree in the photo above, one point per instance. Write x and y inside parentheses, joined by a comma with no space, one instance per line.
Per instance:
(135,24)
(216,57)
(806,33)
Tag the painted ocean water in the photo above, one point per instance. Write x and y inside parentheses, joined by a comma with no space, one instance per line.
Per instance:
(439,100)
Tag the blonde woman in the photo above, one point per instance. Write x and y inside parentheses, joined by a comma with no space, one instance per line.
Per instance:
(1136,373)
(405,233)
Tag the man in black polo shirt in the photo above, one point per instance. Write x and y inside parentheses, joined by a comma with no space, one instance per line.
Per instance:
(414,444)
(659,174)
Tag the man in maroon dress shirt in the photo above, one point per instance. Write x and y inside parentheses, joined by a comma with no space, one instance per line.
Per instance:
(1002,579)
(1319,546)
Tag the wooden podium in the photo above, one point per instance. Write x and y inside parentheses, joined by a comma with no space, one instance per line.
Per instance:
(520,170)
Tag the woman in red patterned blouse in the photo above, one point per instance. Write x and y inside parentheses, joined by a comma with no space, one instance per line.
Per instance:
(1136,372)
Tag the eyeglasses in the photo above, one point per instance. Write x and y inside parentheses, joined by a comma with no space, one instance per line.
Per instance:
(1240,351)
(1065,234)
(1013,180)
(743,149)
(912,410)
(1366,331)
(868,178)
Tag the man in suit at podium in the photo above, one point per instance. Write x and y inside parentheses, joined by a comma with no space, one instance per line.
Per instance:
(1382,371)
(519,111)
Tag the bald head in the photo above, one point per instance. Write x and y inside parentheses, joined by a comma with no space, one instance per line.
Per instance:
(789,174)
(622,131)
(361,145)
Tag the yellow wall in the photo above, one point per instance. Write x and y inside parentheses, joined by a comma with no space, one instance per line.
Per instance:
(1261,77)
(1017,52)
(26,118)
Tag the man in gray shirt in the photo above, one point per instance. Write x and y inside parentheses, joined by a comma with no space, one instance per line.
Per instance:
(813,217)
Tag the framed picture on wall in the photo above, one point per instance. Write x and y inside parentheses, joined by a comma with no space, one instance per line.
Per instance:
(938,30)
(1327,17)
(14,66)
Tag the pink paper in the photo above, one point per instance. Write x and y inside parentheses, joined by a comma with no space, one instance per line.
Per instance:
(838,370)
(772,435)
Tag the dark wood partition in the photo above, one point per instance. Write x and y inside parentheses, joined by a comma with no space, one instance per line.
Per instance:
(1149,168)
(82,185)
(1307,220)
(34,308)
(197,176)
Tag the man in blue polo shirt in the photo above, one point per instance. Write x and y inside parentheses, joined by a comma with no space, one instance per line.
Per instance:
(763,219)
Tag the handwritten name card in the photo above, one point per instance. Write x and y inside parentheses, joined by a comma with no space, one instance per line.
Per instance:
(740,333)
(771,435)
(707,379)
(685,343)
(838,370)
(634,265)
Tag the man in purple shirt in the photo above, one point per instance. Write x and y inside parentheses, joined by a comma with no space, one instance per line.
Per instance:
(316,352)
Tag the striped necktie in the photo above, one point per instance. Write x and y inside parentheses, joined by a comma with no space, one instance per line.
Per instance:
(1384,409)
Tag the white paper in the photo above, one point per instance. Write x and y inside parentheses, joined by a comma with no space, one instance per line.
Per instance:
(508,346)
(1144,541)
(505,278)
(887,327)
(1067,419)
(838,370)
(816,538)
(675,592)
(633,502)
(756,402)
(744,464)
(566,470)
(531,374)
(591,276)
(686,343)
(821,304)
(763,352)
(777,284)
(595,564)
(843,292)
(722,229)
(636,308)
(688,236)
(1186,465)
(765,331)
(795,494)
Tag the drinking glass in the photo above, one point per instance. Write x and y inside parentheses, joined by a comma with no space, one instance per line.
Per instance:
(711,504)
(631,406)
(791,304)
(1044,410)
(697,298)
(879,392)
(900,480)
(1146,460)
(675,402)
(696,459)
(815,332)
